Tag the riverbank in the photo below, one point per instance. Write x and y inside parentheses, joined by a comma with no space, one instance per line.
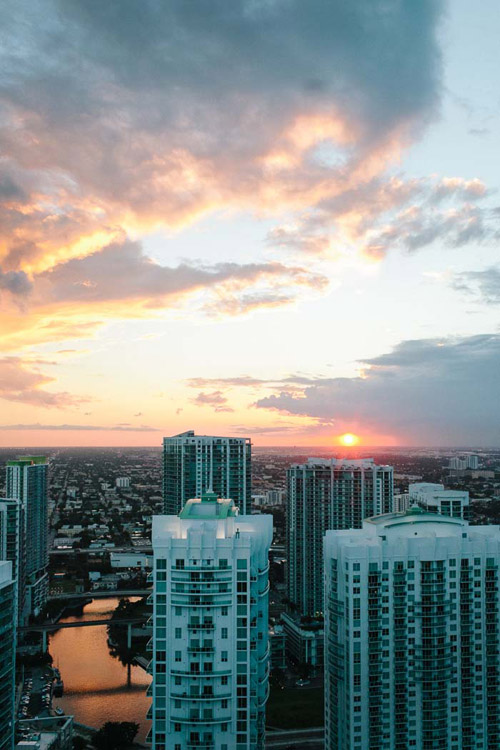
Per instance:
(97,686)
(82,730)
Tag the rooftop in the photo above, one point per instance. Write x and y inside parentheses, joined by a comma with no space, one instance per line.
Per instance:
(209,506)
(27,460)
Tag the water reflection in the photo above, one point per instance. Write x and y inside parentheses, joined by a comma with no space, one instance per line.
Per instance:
(97,687)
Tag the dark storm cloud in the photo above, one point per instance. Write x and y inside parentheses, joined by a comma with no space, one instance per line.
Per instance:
(440,391)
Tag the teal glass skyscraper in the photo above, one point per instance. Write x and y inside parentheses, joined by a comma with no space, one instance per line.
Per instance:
(193,464)
(326,494)
(12,547)
(7,655)
(27,481)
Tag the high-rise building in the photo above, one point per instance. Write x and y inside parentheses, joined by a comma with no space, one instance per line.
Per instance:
(210,627)
(193,464)
(7,655)
(27,481)
(400,502)
(327,494)
(461,464)
(12,547)
(434,498)
(411,634)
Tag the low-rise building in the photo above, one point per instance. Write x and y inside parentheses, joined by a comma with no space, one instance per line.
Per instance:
(436,499)
(120,560)
(277,644)
(47,733)
(304,639)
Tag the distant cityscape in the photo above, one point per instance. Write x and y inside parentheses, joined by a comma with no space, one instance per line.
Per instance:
(272,597)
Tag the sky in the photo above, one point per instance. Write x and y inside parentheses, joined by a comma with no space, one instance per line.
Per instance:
(262,218)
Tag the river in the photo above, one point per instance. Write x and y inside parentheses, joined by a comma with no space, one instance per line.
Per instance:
(97,687)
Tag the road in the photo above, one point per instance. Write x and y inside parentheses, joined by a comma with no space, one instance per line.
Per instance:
(100,550)
(48,627)
(101,594)
(296,739)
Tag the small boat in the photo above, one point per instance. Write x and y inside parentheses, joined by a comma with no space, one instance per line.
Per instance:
(59,711)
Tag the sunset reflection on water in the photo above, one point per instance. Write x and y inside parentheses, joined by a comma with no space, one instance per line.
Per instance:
(97,687)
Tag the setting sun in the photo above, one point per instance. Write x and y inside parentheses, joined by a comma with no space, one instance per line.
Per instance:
(349,439)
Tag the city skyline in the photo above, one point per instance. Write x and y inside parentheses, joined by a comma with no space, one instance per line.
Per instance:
(288,236)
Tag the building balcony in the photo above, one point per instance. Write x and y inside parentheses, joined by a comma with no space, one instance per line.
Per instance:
(201,626)
(201,602)
(265,591)
(201,649)
(201,696)
(203,675)
(202,720)
(201,569)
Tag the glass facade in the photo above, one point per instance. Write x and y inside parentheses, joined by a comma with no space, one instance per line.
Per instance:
(193,464)
(327,494)
(27,481)
(7,656)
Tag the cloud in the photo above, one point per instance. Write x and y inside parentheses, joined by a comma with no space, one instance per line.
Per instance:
(78,427)
(20,382)
(131,116)
(119,280)
(484,285)
(429,391)
(15,282)
(121,272)
(216,399)
(266,430)
(241,380)
(385,214)
(246,381)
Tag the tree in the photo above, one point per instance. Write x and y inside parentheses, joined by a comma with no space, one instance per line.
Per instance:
(115,735)
(79,743)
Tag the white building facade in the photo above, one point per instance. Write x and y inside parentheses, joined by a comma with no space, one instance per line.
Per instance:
(210,661)
(436,499)
(412,635)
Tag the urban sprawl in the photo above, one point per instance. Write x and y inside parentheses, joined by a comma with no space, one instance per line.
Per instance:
(278,597)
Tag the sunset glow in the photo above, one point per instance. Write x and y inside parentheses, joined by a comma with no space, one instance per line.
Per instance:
(228,243)
(349,439)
